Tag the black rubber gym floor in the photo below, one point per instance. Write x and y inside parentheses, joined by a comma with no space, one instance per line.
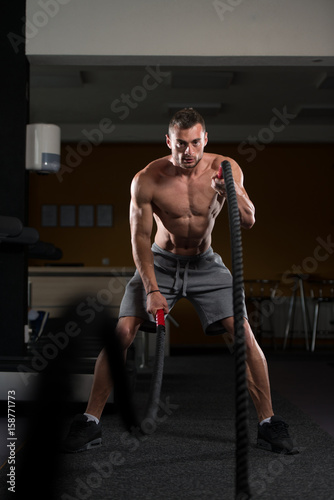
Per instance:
(190,451)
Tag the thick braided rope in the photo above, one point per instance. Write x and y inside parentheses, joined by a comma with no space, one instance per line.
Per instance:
(241,391)
(156,381)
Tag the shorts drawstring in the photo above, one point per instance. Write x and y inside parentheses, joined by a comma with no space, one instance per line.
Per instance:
(178,278)
(182,262)
(185,279)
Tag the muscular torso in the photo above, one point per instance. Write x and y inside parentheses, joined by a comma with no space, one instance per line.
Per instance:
(185,206)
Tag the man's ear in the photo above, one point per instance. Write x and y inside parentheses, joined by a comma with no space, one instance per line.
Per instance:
(168,141)
(206,139)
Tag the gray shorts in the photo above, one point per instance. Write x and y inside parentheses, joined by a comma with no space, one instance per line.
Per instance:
(203,279)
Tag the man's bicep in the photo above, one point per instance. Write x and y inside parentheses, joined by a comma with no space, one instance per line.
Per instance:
(141,218)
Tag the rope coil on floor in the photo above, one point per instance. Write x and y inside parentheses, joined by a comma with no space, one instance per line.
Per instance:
(241,392)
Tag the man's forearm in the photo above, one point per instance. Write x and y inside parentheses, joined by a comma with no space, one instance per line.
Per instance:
(144,262)
(246,210)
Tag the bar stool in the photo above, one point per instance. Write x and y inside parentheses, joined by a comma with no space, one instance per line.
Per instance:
(319,300)
(299,285)
(260,293)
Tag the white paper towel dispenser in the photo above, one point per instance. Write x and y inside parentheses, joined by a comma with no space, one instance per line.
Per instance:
(43,147)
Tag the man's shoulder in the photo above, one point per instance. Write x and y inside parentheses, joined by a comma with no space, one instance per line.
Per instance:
(158,164)
(217,158)
(147,178)
(214,160)
(153,169)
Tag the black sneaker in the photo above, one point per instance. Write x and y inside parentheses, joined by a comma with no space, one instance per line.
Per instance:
(83,435)
(274,436)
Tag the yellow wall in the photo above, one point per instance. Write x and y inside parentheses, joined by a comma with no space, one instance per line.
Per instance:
(290,185)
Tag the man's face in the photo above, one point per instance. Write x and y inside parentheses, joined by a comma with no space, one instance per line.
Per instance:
(187,145)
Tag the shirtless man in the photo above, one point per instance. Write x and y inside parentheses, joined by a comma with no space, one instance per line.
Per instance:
(183,194)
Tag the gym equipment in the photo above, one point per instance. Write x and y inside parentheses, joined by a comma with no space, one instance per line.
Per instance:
(28,236)
(12,231)
(10,227)
(241,391)
(241,394)
(156,382)
(43,250)
(122,385)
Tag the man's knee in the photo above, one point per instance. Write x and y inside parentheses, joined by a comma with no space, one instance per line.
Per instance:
(126,330)
(228,324)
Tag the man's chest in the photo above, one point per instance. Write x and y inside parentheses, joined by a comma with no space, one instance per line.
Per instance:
(178,199)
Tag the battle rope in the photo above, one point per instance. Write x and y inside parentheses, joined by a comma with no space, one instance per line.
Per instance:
(54,379)
(241,392)
(158,367)
(126,405)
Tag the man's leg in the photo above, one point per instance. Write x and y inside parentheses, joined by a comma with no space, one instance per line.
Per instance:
(85,430)
(126,329)
(272,430)
(257,371)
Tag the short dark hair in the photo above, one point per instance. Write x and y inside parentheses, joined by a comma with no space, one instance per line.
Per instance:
(186,118)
